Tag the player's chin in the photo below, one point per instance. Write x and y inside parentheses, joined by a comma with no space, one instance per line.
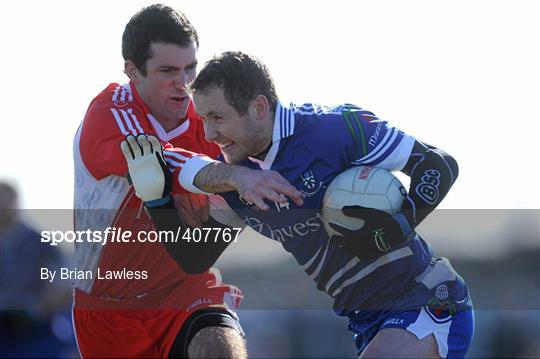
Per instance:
(177,113)
(230,159)
(233,158)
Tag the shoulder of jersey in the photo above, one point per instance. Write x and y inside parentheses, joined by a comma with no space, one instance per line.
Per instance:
(113,96)
(114,101)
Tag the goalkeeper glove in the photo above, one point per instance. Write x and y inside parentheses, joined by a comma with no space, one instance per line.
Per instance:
(147,169)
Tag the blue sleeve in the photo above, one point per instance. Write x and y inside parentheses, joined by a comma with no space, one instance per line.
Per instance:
(362,138)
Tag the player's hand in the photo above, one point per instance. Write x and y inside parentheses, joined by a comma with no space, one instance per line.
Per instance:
(380,233)
(257,186)
(193,208)
(149,174)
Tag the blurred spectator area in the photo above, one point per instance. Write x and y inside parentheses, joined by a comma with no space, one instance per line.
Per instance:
(35,318)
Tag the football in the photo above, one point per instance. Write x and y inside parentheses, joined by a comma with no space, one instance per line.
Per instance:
(365,186)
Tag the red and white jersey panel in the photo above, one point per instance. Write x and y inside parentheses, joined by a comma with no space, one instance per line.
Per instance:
(103,197)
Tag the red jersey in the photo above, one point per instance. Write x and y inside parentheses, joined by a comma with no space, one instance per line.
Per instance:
(103,198)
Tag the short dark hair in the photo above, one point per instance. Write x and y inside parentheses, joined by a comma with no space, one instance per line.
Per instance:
(242,77)
(155,24)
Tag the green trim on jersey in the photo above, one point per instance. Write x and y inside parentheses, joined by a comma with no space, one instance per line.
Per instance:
(361,130)
(357,132)
(351,130)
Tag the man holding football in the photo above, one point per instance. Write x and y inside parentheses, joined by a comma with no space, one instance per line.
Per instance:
(169,313)
(401,300)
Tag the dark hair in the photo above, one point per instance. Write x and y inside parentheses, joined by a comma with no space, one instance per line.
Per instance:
(242,77)
(155,24)
(8,195)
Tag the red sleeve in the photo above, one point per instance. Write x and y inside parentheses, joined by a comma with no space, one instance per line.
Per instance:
(104,127)
(184,166)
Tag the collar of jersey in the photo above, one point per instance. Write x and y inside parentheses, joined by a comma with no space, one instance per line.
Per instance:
(160,131)
(283,128)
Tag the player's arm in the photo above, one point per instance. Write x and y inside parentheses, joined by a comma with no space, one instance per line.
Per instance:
(253,186)
(151,179)
(200,174)
(193,257)
(432,172)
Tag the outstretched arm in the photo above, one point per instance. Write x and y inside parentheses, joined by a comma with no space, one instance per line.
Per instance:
(144,156)
(151,180)
(253,186)
(192,256)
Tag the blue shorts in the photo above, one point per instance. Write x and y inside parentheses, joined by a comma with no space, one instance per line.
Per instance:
(447,314)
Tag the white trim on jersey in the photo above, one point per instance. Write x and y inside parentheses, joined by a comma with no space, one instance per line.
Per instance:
(173,163)
(314,109)
(175,155)
(115,93)
(73,324)
(283,128)
(354,261)
(122,90)
(441,271)
(94,209)
(387,258)
(119,121)
(396,160)
(127,120)
(382,147)
(308,263)
(190,169)
(136,120)
(164,135)
(321,262)
(399,157)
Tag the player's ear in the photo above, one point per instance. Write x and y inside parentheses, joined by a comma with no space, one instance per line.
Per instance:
(131,71)
(260,106)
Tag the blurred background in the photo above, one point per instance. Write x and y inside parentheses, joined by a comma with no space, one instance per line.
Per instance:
(462,75)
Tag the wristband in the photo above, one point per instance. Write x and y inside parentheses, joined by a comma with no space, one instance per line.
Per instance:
(158,202)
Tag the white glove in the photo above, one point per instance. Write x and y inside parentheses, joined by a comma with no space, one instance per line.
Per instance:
(149,174)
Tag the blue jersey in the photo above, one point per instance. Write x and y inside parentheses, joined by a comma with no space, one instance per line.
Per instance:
(311,145)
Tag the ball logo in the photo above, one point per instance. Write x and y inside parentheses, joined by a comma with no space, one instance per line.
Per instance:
(428,189)
(364,174)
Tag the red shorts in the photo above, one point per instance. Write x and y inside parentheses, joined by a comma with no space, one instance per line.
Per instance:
(144,327)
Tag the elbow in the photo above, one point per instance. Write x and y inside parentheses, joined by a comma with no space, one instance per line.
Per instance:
(453,165)
(441,159)
(190,262)
(195,268)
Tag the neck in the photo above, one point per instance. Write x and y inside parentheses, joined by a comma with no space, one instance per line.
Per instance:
(261,155)
(267,140)
(171,125)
